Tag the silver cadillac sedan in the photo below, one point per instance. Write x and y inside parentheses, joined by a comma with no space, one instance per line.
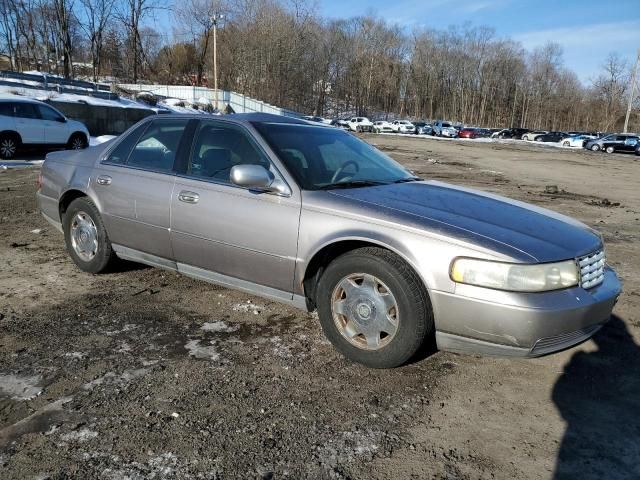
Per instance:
(314,217)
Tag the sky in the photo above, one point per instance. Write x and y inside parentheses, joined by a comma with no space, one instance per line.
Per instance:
(587,30)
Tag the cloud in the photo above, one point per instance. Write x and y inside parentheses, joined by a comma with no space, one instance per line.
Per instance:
(604,35)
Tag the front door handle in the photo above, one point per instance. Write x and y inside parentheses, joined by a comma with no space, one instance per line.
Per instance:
(188,197)
(104,180)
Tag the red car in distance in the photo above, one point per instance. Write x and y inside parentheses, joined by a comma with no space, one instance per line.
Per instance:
(473,133)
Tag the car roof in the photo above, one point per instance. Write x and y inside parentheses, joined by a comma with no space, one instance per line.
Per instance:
(17,98)
(242,118)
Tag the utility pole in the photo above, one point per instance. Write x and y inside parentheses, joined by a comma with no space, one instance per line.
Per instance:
(215,18)
(631,94)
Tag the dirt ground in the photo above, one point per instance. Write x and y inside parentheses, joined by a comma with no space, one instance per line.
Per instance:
(147,374)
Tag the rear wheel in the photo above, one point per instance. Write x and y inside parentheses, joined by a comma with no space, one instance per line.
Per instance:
(77,142)
(566,144)
(373,308)
(86,238)
(595,147)
(9,143)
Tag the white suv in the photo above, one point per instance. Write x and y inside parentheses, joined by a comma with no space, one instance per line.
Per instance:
(360,124)
(30,123)
(444,129)
(403,126)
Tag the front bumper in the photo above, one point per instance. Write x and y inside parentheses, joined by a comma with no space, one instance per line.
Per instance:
(490,322)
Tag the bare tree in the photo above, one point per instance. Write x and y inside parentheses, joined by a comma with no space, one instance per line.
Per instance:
(96,15)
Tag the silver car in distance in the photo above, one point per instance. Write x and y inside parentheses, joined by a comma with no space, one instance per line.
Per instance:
(316,218)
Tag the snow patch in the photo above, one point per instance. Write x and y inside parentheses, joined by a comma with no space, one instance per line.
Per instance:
(201,351)
(248,307)
(80,436)
(111,378)
(219,327)
(20,388)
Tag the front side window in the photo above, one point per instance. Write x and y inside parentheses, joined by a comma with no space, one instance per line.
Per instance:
(48,113)
(156,149)
(320,158)
(217,148)
(27,110)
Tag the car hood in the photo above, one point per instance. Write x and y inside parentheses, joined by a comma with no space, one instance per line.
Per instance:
(522,231)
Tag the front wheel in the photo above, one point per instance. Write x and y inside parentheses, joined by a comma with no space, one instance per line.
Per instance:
(77,142)
(86,238)
(374,308)
(566,144)
(610,150)
(595,148)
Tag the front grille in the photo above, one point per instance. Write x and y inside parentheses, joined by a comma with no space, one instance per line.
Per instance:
(562,341)
(592,269)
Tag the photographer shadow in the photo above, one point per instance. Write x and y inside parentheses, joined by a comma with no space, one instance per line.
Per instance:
(598,396)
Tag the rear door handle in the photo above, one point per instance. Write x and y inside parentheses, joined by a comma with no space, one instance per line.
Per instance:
(104,180)
(188,197)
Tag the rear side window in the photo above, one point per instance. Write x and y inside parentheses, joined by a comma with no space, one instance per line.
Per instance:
(27,110)
(156,149)
(120,154)
(6,109)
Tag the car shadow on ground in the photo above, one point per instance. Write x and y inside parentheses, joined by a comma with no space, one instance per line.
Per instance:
(598,396)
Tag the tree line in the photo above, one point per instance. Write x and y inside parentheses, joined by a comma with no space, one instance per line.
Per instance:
(283,52)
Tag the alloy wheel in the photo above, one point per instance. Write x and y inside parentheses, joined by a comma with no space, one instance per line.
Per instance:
(8,147)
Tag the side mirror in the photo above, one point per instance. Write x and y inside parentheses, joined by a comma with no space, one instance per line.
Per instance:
(256,177)
(61,120)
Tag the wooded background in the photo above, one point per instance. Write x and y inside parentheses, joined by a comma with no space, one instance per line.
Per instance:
(283,52)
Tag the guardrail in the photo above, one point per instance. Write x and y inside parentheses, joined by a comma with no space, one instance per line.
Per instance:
(240,103)
(55,83)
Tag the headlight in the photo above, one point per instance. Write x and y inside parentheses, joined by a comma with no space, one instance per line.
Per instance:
(515,277)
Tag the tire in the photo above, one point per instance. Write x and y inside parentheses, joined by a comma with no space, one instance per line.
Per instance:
(523,137)
(79,216)
(610,150)
(595,147)
(410,305)
(566,144)
(77,141)
(9,144)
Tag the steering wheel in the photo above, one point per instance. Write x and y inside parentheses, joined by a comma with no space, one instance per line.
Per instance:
(342,168)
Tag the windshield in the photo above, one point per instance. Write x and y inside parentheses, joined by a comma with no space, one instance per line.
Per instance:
(446,125)
(320,157)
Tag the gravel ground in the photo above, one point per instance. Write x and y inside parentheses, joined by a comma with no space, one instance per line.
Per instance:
(142,373)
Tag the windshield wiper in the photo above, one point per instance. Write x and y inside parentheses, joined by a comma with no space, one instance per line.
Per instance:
(408,179)
(352,184)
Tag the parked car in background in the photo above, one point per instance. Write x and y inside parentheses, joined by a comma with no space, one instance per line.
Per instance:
(423,128)
(443,128)
(340,122)
(466,132)
(516,133)
(315,119)
(26,123)
(360,124)
(628,145)
(577,140)
(318,219)
(403,126)
(551,137)
(530,136)
(382,126)
(469,132)
(597,144)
